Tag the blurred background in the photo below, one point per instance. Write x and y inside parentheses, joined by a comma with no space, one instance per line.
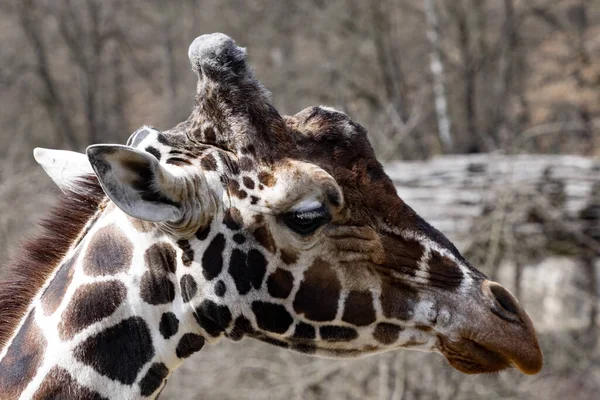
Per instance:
(486,114)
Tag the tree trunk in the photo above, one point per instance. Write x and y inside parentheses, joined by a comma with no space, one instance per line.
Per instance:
(169,63)
(437,71)
(51,99)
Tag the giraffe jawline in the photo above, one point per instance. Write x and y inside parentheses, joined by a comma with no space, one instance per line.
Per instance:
(312,347)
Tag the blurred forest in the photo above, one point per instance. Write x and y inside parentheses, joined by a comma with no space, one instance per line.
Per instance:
(426,77)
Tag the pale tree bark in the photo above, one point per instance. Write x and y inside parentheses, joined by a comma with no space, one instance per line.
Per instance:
(437,71)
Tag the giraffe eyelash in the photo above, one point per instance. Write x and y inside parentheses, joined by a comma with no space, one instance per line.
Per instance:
(306,222)
(306,206)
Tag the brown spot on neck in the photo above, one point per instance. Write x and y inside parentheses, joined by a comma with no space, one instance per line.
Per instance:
(59,384)
(91,303)
(161,258)
(113,353)
(57,288)
(23,358)
(109,252)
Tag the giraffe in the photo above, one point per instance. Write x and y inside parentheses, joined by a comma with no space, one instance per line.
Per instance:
(237,222)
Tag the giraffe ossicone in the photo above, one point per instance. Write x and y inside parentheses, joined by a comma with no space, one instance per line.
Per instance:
(238,222)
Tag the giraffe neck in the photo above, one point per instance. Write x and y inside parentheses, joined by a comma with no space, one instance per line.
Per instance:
(112,321)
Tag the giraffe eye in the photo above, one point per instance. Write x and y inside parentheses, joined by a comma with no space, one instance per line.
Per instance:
(306,222)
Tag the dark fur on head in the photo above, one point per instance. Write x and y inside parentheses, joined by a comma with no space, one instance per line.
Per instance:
(39,257)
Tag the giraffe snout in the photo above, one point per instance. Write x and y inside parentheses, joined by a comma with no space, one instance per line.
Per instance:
(512,331)
(497,336)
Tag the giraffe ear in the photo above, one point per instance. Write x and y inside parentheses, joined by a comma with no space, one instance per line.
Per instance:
(135,181)
(64,167)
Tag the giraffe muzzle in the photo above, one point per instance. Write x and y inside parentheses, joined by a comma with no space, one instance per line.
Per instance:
(515,337)
(503,338)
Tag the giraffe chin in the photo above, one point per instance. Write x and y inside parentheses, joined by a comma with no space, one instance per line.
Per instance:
(471,357)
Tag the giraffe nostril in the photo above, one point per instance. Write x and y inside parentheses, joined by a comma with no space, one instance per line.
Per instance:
(505,299)
(502,298)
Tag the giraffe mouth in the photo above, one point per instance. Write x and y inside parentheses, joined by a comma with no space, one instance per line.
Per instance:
(470,357)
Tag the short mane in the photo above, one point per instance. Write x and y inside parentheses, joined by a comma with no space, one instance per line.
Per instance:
(38,257)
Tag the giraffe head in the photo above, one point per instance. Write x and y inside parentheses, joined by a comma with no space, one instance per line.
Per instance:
(293,234)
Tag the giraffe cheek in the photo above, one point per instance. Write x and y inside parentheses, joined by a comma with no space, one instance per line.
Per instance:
(319,293)
(247,269)
(387,333)
(443,272)
(272,317)
(398,301)
(334,333)
(358,309)
(280,283)
(305,331)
